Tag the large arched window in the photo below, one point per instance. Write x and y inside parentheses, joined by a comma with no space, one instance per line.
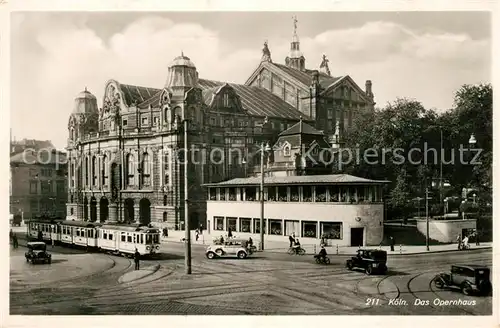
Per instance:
(105,170)
(146,170)
(94,171)
(130,169)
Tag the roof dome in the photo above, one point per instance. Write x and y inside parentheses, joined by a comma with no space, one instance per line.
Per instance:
(85,95)
(85,102)
(182,61)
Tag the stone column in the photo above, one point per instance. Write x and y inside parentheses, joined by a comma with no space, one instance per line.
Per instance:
(113,213)
(98,212)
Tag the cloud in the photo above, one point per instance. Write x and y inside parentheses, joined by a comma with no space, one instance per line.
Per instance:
(54,59)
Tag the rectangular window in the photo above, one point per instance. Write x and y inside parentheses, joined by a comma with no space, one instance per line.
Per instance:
(226,100)
(250,194)
(294,194)
(266,80)
(218,223)
(212,194)
(334,193)
(142,238)
(129,238)
(125,122)
(78,232)
(105,235)
(123,236)
(320,195)
(282,194)
(213,122)
(33,187)
(110,236)
(275,227)
(144,121)
(309,229)
(256,226)
(222,194)
(271,194)
(231,223)
(245,224)
(306,193)
(331,230)
(292,227)
(277,86)
(155,121)
(232,194)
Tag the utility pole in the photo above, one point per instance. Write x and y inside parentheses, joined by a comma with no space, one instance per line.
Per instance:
(187,255)
(427,217)
(441,174)
(262,197)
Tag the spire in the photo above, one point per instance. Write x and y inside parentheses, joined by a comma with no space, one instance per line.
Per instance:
(295,59)
(85,88)
(323,68)
(266,54)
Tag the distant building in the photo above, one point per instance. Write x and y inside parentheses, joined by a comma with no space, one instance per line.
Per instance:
(38,185)
(345,209)
(19,146)
(124,164)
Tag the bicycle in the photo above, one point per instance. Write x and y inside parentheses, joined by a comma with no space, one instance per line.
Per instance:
(295,251)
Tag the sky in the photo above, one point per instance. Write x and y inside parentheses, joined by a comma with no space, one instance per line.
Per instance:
(425,56)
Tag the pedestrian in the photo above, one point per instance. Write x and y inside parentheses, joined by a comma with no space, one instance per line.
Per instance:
(40,235)
(477,237)
(137,256)
(201,229)
(166,232)
(292,240)
(197,234)
(15,244)
(229,233)
(459,241)
(11,234)
(393,242)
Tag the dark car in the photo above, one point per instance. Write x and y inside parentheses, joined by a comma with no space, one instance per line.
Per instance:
(470,278)
(370,260)
(37,253)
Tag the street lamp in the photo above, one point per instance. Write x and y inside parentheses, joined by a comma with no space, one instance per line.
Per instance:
(472,140)
(244,162)
(263,148)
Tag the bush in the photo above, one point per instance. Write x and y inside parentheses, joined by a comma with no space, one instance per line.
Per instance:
(469,207)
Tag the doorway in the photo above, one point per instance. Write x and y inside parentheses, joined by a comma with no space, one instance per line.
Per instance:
(357,236)
(144,211)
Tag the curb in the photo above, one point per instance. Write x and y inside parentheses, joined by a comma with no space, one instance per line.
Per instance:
(388,253)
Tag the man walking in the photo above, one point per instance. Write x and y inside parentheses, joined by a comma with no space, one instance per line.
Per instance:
(137,256)
(393,242)
(15,244)
(292,240)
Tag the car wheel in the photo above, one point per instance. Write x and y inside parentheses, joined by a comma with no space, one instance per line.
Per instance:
(210,255)
(242,255)
(466,290)
(349,265)
(369,270)
(438,283)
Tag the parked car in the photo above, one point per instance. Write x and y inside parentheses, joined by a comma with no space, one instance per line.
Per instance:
(370,260)
(471,279)
(37,252)
(230,248)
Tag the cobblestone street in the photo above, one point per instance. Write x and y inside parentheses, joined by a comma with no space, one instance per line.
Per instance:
(268,283)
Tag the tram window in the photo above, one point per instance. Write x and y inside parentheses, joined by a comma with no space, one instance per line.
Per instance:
(110,236)
(129,238)
(134,239)
(148,238)
(142,238)
(156,238)
(90,233)
(83,232)
(123,236)
(105,235)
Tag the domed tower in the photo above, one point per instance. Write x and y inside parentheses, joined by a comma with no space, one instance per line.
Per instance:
(83,119)
(182,74)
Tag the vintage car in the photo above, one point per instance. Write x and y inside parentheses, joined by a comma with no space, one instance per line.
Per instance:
(471,279)
(230,248)
(370,260)
(37,252)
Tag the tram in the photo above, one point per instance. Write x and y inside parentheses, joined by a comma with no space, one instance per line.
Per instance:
(121,239)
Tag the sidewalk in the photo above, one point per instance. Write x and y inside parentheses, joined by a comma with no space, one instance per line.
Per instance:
(282,246)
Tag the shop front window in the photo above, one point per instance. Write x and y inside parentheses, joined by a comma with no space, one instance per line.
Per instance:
(275,227)
(250,194)
(292,227)
(331,230)
(231,224)
(245,224)
(309,229)
(256,226)
(218,223)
